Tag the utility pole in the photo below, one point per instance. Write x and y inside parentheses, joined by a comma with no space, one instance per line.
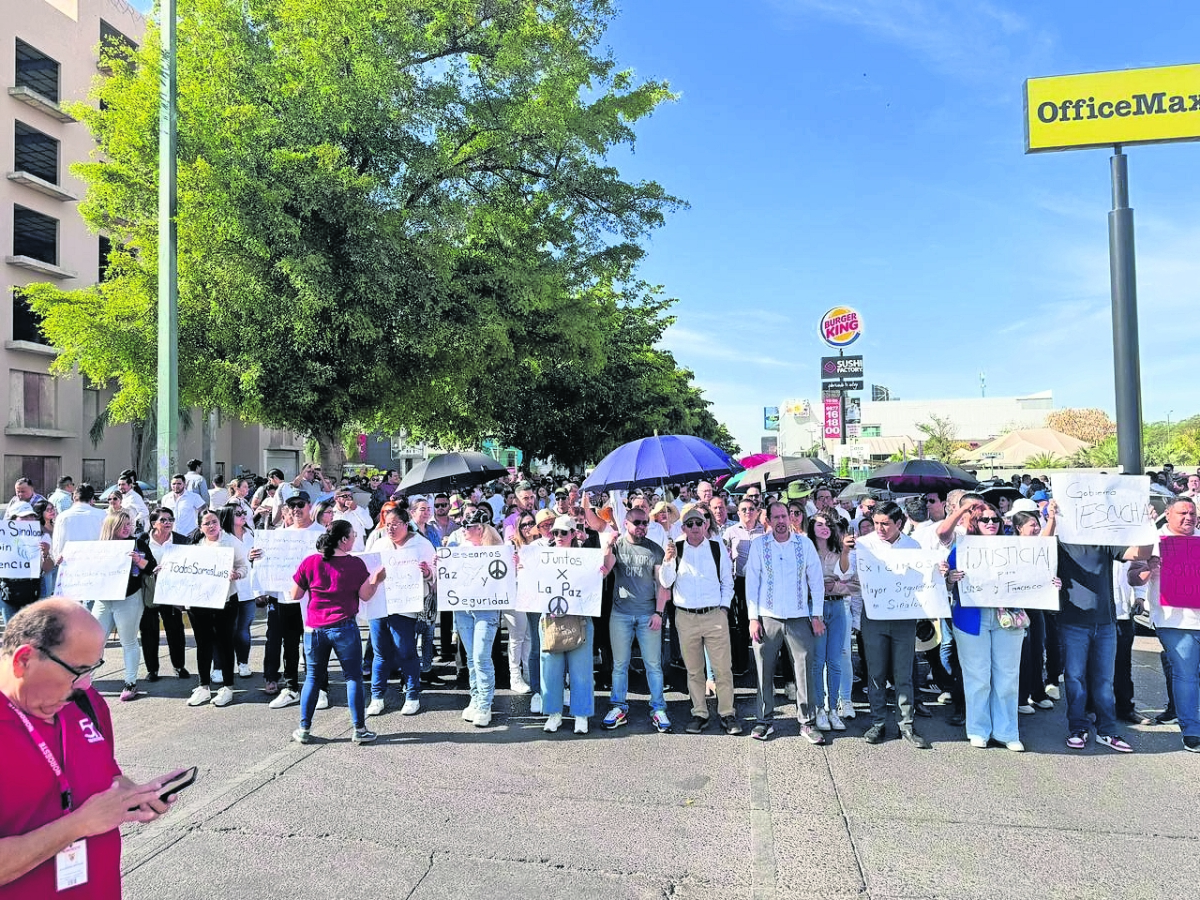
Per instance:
(167,457)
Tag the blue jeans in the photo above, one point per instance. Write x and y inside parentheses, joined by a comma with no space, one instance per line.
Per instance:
(579,663)
(341,638)
(622,628)
(395,641)
(535,651)
(991,669)
(425,633)
(241,633)
(477,632)
(828,654)
(1183,649)
(127,616)
(1089,655)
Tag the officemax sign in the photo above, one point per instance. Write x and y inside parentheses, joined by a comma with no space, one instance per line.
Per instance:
(1102,109)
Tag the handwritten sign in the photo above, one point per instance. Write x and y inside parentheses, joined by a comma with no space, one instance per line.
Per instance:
(20,549)
(902,584)
(559,581)
(1007,571)
(1179,578)
(283,551)
(471,577)
(402,591)
(194,576)
(95,571)
(1104,509)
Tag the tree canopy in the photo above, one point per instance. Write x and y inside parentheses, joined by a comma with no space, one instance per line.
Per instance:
(394,213)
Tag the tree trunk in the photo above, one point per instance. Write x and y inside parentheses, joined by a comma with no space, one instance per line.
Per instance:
(331,453)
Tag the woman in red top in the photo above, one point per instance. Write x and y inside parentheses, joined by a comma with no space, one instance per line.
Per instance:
(335,583)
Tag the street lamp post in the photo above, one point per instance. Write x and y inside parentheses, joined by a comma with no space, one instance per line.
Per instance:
(1167,451)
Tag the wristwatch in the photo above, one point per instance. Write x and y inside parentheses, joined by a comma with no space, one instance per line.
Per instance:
(661,613)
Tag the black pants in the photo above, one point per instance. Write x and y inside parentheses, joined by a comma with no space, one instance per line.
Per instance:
(739,628)
(1033,657)
(1054,668)
(1123,671)
(285,632)
(602,641)
(214,630)
(446,635)
(172,624)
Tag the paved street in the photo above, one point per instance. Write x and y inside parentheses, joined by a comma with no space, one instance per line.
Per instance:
(440,809)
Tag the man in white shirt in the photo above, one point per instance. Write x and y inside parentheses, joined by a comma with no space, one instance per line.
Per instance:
(186,506)
(702,576)
(218,494)
(61,498)
(132,501)
(81,522)
(350,511)
(785,599)
(891,643)
(194,480)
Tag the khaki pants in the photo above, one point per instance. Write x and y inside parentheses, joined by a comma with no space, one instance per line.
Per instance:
(697,633)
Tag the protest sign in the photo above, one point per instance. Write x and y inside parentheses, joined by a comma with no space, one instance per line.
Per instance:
(94,571)
(283,551)
(559,581)
(1179,578)
(195,576)
(20,549)
(471,577)
(403,589)
(1007,571)
(902,584)
(1104,509)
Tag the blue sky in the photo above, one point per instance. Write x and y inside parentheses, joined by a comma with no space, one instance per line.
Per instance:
(871,153)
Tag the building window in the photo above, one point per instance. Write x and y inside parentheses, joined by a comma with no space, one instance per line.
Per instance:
(871,430)
(115,43)
(93,473)
(36,71)
(33,400)
(27,325)
(35,153)
(105,252)
(43,471)
(35,235)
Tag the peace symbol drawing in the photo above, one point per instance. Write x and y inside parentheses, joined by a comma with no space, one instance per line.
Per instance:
(497,569)
(558,606)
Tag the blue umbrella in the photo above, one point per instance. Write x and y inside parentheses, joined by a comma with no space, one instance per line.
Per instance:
(653,461)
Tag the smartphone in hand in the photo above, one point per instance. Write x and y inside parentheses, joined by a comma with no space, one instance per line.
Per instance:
(176,783)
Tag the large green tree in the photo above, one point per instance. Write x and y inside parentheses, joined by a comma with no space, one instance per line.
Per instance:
(389,210)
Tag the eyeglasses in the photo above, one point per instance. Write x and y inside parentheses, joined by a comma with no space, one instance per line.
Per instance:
(991,520)
(933,500)
(694,523)
(78,671)
(638,523)
(241,514)
(560,533)
(795,512)
(441,506)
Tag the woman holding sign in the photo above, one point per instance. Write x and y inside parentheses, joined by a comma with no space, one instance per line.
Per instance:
(215,628)
(576,661)
(477,629)
(394,636)
(126,614)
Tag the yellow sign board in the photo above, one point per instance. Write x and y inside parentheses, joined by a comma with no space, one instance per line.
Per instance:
(1102,109)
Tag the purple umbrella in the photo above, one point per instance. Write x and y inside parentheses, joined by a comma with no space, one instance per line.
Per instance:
(917,475)
(654,461)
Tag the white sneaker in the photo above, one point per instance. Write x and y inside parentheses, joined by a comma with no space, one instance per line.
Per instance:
(977,742)
(581,725)
(468,714)
(1053,692)
(483,717)
(836,723)
(200,696)
(322,700)
(1026,710)
(244,670)
(217,677)
(375,707)
(224,697)
(845,709)
(535,704)
(822,721)
(519,685)
(790,690)
(286,697)
(410,708)
(553,723)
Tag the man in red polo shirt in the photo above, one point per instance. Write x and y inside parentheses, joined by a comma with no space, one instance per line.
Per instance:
(62,795)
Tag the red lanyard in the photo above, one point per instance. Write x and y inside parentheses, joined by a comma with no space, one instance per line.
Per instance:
(64,786)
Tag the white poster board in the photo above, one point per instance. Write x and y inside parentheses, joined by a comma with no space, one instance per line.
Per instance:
(194,576)
(20,549)
(471,578)
(283,551)
(402,591)
(1104,509)
(95,571)
(1007,571)
(560,581)
(902,584)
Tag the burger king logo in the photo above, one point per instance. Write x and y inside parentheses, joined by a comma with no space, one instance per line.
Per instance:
(841,327)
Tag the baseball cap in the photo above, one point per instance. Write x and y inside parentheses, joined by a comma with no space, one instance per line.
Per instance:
(1039,496)
(1022,505)
(544,515)
(564,523)
(298,499)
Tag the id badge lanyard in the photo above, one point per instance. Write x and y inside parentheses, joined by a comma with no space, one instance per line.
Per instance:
(64,786)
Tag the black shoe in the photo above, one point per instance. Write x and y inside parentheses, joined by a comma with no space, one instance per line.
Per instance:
(874,734)
(1168,717)
(1191,743)
(1133,717)
(182,673)
(915,739)
(921,711)
(697,725)
(957,720)
(732,726)
(152,676)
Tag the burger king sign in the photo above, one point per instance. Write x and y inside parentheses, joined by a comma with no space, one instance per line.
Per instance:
(841,327)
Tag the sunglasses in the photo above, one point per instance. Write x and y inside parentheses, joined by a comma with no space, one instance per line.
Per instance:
(992,520)
(78,671)
(441,506)
(556,533)
(694,523)
(639,523)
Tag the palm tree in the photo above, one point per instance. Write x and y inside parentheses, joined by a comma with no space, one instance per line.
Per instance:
(1045,461)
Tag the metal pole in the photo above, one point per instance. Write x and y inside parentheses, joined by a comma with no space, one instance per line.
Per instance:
(1123,278)
(168,299)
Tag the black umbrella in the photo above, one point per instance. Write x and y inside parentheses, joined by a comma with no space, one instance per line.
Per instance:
(994,493)
(916,475)
(451,472)
(783,470)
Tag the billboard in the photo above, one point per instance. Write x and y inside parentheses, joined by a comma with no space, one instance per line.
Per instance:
(840,366)
(1101,109)
(840,327)
(833,418)
(770,418)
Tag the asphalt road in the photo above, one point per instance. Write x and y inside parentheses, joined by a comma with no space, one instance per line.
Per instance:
(440,809)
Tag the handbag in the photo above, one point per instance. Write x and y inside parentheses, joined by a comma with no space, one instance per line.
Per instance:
(562,633)
(1012,618)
